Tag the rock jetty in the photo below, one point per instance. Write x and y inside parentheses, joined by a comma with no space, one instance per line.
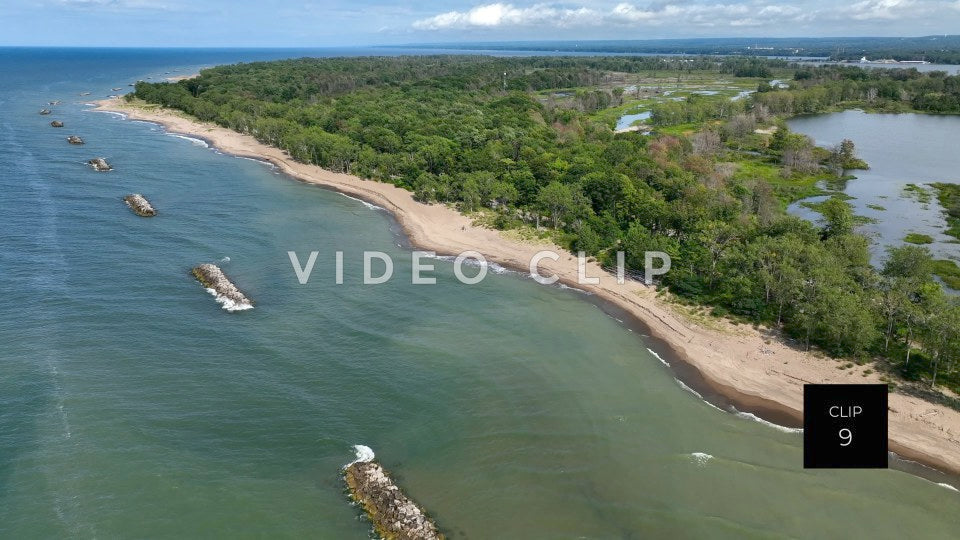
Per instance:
(394,516)
(140,205)
(100,164)
(74,139)
(226,293)
(44,111)
(56,123)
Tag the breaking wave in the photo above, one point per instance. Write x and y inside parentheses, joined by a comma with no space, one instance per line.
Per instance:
(491,266)
(700,458)
(229,304)
(258,160)
(755,418)
(658,357)
(575,289)
(114,113)
(365,203)
(193,140)
(363,454)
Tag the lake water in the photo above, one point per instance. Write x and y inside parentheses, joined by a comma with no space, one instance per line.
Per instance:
(627,120)
(901,149)
(951,69)
(131,405)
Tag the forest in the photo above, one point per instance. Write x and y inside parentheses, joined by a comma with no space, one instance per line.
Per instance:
(523,143)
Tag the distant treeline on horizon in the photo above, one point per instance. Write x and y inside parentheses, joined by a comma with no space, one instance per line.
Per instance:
(940,49)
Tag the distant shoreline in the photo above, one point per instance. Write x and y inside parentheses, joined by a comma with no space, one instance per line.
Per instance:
(750,368)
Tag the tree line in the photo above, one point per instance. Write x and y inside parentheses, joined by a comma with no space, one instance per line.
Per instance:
(457,130)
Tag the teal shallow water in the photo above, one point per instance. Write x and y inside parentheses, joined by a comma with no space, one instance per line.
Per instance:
(131,405)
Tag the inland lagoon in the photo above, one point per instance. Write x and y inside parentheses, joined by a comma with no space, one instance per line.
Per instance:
(906,153)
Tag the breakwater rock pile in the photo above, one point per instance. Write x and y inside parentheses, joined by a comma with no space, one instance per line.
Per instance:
(100,164)
(56,123)
(140,205)
(73,139)
(394,516)
(217,283)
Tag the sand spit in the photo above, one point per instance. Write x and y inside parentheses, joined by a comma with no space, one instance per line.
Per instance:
(393,514)
(140,205)
(753,367)
(226,293)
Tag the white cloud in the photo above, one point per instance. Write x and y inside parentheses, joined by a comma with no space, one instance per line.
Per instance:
(879,9)
(705,14)
(498,15)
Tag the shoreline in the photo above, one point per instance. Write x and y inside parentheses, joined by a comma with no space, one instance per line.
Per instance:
(752,369)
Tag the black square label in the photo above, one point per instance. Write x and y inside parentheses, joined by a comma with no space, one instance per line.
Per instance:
(845,426)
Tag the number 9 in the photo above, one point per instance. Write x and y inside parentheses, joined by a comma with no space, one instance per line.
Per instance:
(847,436)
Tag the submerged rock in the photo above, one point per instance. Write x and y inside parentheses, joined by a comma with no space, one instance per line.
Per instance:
(140,205)
(44,111)
(100,164)
(55,102)
(213,278)
(394,516)
(73,139)
(56,123)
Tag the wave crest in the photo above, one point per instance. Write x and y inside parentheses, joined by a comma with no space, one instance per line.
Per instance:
(229,304)
(700,458)
(363,454)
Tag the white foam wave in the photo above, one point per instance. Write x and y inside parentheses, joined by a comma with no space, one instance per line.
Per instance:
(365,203)
(194,140)
(497,269)
(225,260)
(688,389)
(576,289)
(948,486)
(658,357)
(363,454)
(755,418)
(229,304)
(113,113)
(491,266)
(700,458)
(698,394)
(258,160)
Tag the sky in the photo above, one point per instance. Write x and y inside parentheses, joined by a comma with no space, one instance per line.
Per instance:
(330,23)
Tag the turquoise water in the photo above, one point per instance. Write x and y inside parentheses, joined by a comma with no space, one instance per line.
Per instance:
(132,405)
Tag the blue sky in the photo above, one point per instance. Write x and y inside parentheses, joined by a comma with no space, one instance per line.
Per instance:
(297,23)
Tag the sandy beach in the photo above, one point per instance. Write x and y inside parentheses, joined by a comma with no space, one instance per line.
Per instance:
(751,367)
